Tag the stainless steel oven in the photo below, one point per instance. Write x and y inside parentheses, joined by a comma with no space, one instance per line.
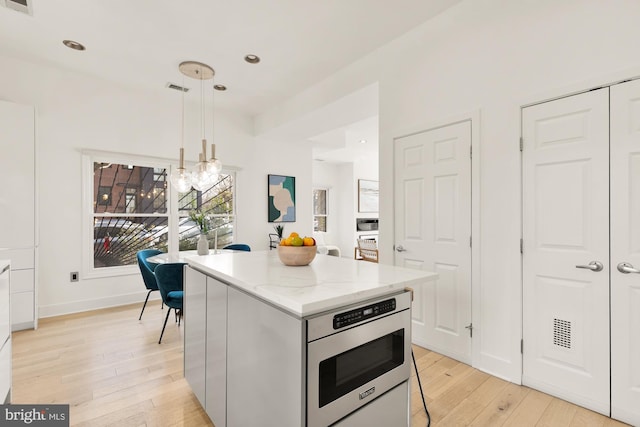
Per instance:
(356,355)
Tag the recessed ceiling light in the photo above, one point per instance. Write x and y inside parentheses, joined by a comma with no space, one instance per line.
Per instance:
(363,141)
(73,45)
(252,59)
(220,87)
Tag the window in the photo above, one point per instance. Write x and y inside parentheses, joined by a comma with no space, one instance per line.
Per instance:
(128,208)
(217,204)
(130,199)
(320,209)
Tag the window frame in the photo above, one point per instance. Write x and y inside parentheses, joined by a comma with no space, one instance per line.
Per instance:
(88,271)
(88,214)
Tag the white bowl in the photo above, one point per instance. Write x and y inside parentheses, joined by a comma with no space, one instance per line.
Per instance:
(296,255)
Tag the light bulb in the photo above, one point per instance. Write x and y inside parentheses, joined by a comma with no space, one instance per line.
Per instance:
(181,179)
(201,178)
(214,166)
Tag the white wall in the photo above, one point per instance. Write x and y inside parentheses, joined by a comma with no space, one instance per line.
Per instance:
(493,56)
(270,157)
(75,112)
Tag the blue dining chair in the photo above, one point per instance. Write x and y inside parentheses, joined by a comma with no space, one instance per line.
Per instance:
(238,247)
(170,280)
(146,268)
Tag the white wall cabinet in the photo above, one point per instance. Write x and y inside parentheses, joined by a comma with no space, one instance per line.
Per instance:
(18,209)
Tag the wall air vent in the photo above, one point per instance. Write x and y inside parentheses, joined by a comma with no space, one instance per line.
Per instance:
(24,6)
(177,87)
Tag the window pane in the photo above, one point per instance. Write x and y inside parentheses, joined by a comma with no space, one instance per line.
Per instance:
(189,232)
(320,223)
(217,204)
(218,199)
(319,202)
(116,240)
(128,189)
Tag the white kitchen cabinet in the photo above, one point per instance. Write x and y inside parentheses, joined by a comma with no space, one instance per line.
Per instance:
(5,332)
(195,329)
(253,354)
(205,349)
(216,369)
(264,364)
(18,208)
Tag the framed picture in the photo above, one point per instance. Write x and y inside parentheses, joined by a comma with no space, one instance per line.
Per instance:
(281,198)
(368,195)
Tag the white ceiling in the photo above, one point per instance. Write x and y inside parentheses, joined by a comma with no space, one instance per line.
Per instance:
(141,42)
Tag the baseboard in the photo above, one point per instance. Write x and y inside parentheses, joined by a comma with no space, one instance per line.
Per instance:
(22,326)
(95,304)
(600,407)
(453,355)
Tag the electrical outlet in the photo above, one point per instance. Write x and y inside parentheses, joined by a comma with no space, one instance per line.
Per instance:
(73,276)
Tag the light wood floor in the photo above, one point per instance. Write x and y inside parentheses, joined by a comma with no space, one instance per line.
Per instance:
(109,367)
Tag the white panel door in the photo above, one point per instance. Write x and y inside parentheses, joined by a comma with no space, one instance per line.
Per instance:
(625,248)
(565,225)
(433,231)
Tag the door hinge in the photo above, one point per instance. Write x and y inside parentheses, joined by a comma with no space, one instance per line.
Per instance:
(521,346)
(470,328)
(521,246)
(521,143)
(470,152)
(470,242)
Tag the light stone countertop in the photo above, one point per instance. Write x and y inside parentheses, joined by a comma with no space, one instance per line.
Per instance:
(327,283)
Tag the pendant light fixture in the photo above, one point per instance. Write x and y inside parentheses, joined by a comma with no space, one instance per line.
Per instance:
(206,172)
(180,177)
(214,166)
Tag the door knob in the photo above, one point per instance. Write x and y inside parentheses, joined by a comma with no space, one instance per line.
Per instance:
(399,248)
(593,266)
(626,268)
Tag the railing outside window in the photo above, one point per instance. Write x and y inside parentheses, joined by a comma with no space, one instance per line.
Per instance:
(131,210)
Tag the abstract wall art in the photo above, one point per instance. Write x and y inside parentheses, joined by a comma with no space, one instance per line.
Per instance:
(282,198)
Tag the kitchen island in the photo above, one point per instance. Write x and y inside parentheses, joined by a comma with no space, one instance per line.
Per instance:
(250,332)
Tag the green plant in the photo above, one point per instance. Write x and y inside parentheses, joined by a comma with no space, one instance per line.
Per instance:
(201,219)
(279,229)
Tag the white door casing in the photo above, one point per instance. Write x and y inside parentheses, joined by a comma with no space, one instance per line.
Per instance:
(565,224)
(625,247)
(433,230)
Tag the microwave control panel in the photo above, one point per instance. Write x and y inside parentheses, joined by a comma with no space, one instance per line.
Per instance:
(360,314)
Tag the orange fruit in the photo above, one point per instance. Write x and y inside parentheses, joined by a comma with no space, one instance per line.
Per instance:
(286,242)
(309,241)
(296,241)
(294,234)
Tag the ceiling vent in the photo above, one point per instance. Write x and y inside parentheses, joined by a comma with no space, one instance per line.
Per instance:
(176,87)
(24,6)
